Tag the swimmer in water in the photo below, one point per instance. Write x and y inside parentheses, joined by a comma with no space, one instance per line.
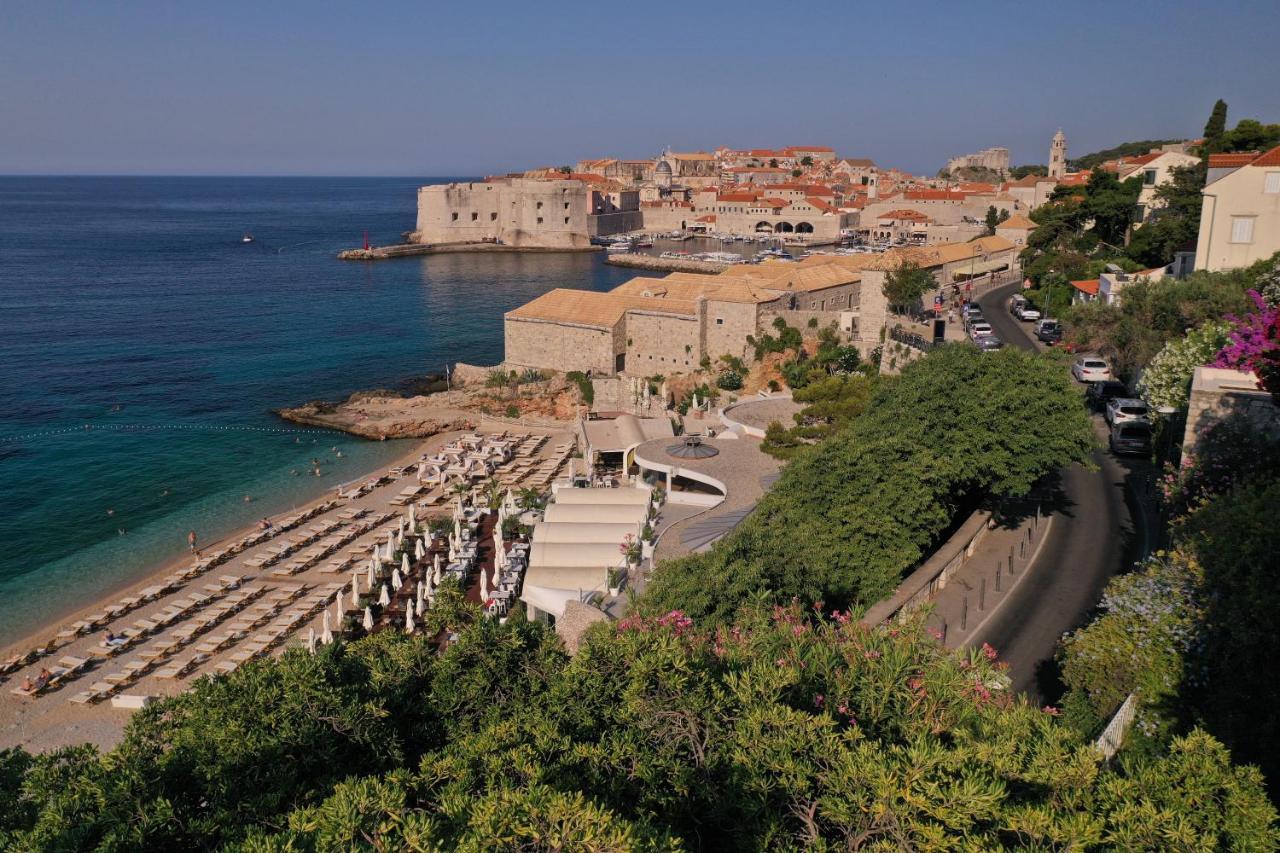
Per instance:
(339,454)
(110,512)
(294,472)
(165,493)
(317,470)
(248,499)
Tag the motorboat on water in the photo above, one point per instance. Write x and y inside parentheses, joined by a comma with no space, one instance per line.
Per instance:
(616,248)
(247,238)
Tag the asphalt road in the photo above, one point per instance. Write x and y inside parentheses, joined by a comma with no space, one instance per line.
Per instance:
(1092,538)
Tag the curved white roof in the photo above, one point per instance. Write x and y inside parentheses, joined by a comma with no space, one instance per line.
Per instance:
(595,555)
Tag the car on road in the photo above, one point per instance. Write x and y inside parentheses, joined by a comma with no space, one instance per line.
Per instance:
(1124,409)
(988,343)
(1049,331)
(1090,368)
(1016,304)
(1100,394)
(1131,437)
(979,329)
(1028,313)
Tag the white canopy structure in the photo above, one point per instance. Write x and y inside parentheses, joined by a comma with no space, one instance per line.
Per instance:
(597,555)
(597,513)
(575,532)
(602,497)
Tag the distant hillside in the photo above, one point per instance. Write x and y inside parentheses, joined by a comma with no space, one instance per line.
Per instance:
(1124,149)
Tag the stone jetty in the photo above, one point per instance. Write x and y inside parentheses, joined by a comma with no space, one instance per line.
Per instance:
(657,264)
(408,250)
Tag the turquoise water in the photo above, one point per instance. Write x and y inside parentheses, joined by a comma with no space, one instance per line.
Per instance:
(131,307)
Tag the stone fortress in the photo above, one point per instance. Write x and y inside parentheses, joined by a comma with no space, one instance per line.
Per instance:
(992,159)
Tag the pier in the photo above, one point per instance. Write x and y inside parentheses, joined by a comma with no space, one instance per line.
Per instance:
(657,264)
(408,250)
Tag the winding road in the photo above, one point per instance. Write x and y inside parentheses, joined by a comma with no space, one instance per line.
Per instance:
(1092,538)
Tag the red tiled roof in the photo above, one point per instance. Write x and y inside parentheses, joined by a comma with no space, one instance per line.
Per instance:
(1227,161)
(1089,286)
(820,204)
(904,213)
(1271,158)
(738,197)
(710,217)
(819,148)
(1140,160)
(807,189)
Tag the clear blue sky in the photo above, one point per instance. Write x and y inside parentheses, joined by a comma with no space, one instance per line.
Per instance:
(461,88)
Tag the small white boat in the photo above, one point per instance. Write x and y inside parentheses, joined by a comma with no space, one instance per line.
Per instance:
(248,238)
(615,248)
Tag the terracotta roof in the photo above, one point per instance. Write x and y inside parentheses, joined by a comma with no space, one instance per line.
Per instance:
(1017,221)
(1141,159)
(859,162)
(737,197)
(711,217)
(694,155)
(782,276)
(1089,286)
(1270,158)
(824,206)
(1226,161)
(1076,179)
(807,189)
(589,308)
(822,149)
(765,152)
(905,213)
(687,287)
(942,253)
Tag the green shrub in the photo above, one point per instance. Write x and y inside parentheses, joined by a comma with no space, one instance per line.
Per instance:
(730,380)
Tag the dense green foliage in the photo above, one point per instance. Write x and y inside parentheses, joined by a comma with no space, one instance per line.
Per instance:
(1166,381)
(787,731)
(1152,314)
(1019,172)
(1216,125)
(1175,220)
(585,388)
(849,516)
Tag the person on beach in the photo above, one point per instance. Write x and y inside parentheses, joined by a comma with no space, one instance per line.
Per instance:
(191,540)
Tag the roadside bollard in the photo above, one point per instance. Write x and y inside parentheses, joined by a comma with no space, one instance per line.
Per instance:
(1022,549)
(1010,559)
(982,595)
(998,571)
(964,614)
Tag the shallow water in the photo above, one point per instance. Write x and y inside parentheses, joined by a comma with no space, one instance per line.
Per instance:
(144,346)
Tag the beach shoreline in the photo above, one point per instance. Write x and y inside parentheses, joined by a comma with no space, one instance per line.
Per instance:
(149,576)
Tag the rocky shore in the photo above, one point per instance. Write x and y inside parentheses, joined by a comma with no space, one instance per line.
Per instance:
(388,414)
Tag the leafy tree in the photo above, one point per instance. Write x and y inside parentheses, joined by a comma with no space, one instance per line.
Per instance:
(1175,218)
(832,404)
(1110,204)
(992,220)
(1019,172)
(1124,149)
(806,160)
(1250,135)
(795,173)
(905,286)
(954,427)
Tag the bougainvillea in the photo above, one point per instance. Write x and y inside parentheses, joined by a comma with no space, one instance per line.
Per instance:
(1255,344)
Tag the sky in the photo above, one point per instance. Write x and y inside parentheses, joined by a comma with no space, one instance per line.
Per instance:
(472,88)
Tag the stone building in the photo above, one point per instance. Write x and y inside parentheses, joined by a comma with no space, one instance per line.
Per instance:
(667,325)
(993,159)
(521,212)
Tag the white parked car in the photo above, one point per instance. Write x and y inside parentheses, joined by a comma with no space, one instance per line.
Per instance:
(1026,313)
(1090,368)
(1122,410)
(979,329)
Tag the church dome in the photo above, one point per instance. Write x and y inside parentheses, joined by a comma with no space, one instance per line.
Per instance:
(663,168)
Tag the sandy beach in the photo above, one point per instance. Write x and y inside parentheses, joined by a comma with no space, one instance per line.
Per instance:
(235,588)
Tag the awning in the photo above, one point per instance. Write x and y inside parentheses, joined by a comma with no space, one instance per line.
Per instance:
(977,269)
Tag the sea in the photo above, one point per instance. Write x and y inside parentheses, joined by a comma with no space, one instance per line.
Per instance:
(144,347)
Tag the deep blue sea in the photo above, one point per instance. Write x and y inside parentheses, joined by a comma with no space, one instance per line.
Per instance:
(143,347)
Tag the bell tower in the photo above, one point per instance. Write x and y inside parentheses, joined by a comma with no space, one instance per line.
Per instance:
(1058,155)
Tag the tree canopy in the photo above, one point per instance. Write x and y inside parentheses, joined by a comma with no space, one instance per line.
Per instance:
(954,427)
(905,285)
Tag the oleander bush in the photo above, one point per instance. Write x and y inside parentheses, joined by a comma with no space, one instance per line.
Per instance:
(791,729)
(1167,379)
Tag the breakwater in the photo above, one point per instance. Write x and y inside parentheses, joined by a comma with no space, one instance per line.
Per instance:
(657,264)
(408,250)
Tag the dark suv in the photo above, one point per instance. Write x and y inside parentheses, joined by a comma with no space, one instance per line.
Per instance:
(1049,333)
(1101,392)
(1133,437)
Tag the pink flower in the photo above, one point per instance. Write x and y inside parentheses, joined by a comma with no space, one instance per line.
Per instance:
(1051,711)
(989,652)
(819,700)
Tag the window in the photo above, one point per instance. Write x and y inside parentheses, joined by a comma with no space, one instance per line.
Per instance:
(1149,177)
(1242,229)
(719,321)
(539,220)
(493,217)
(474,216)
(454,217)
(1271,183)
(539,205)
(566,205)
(566,220)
